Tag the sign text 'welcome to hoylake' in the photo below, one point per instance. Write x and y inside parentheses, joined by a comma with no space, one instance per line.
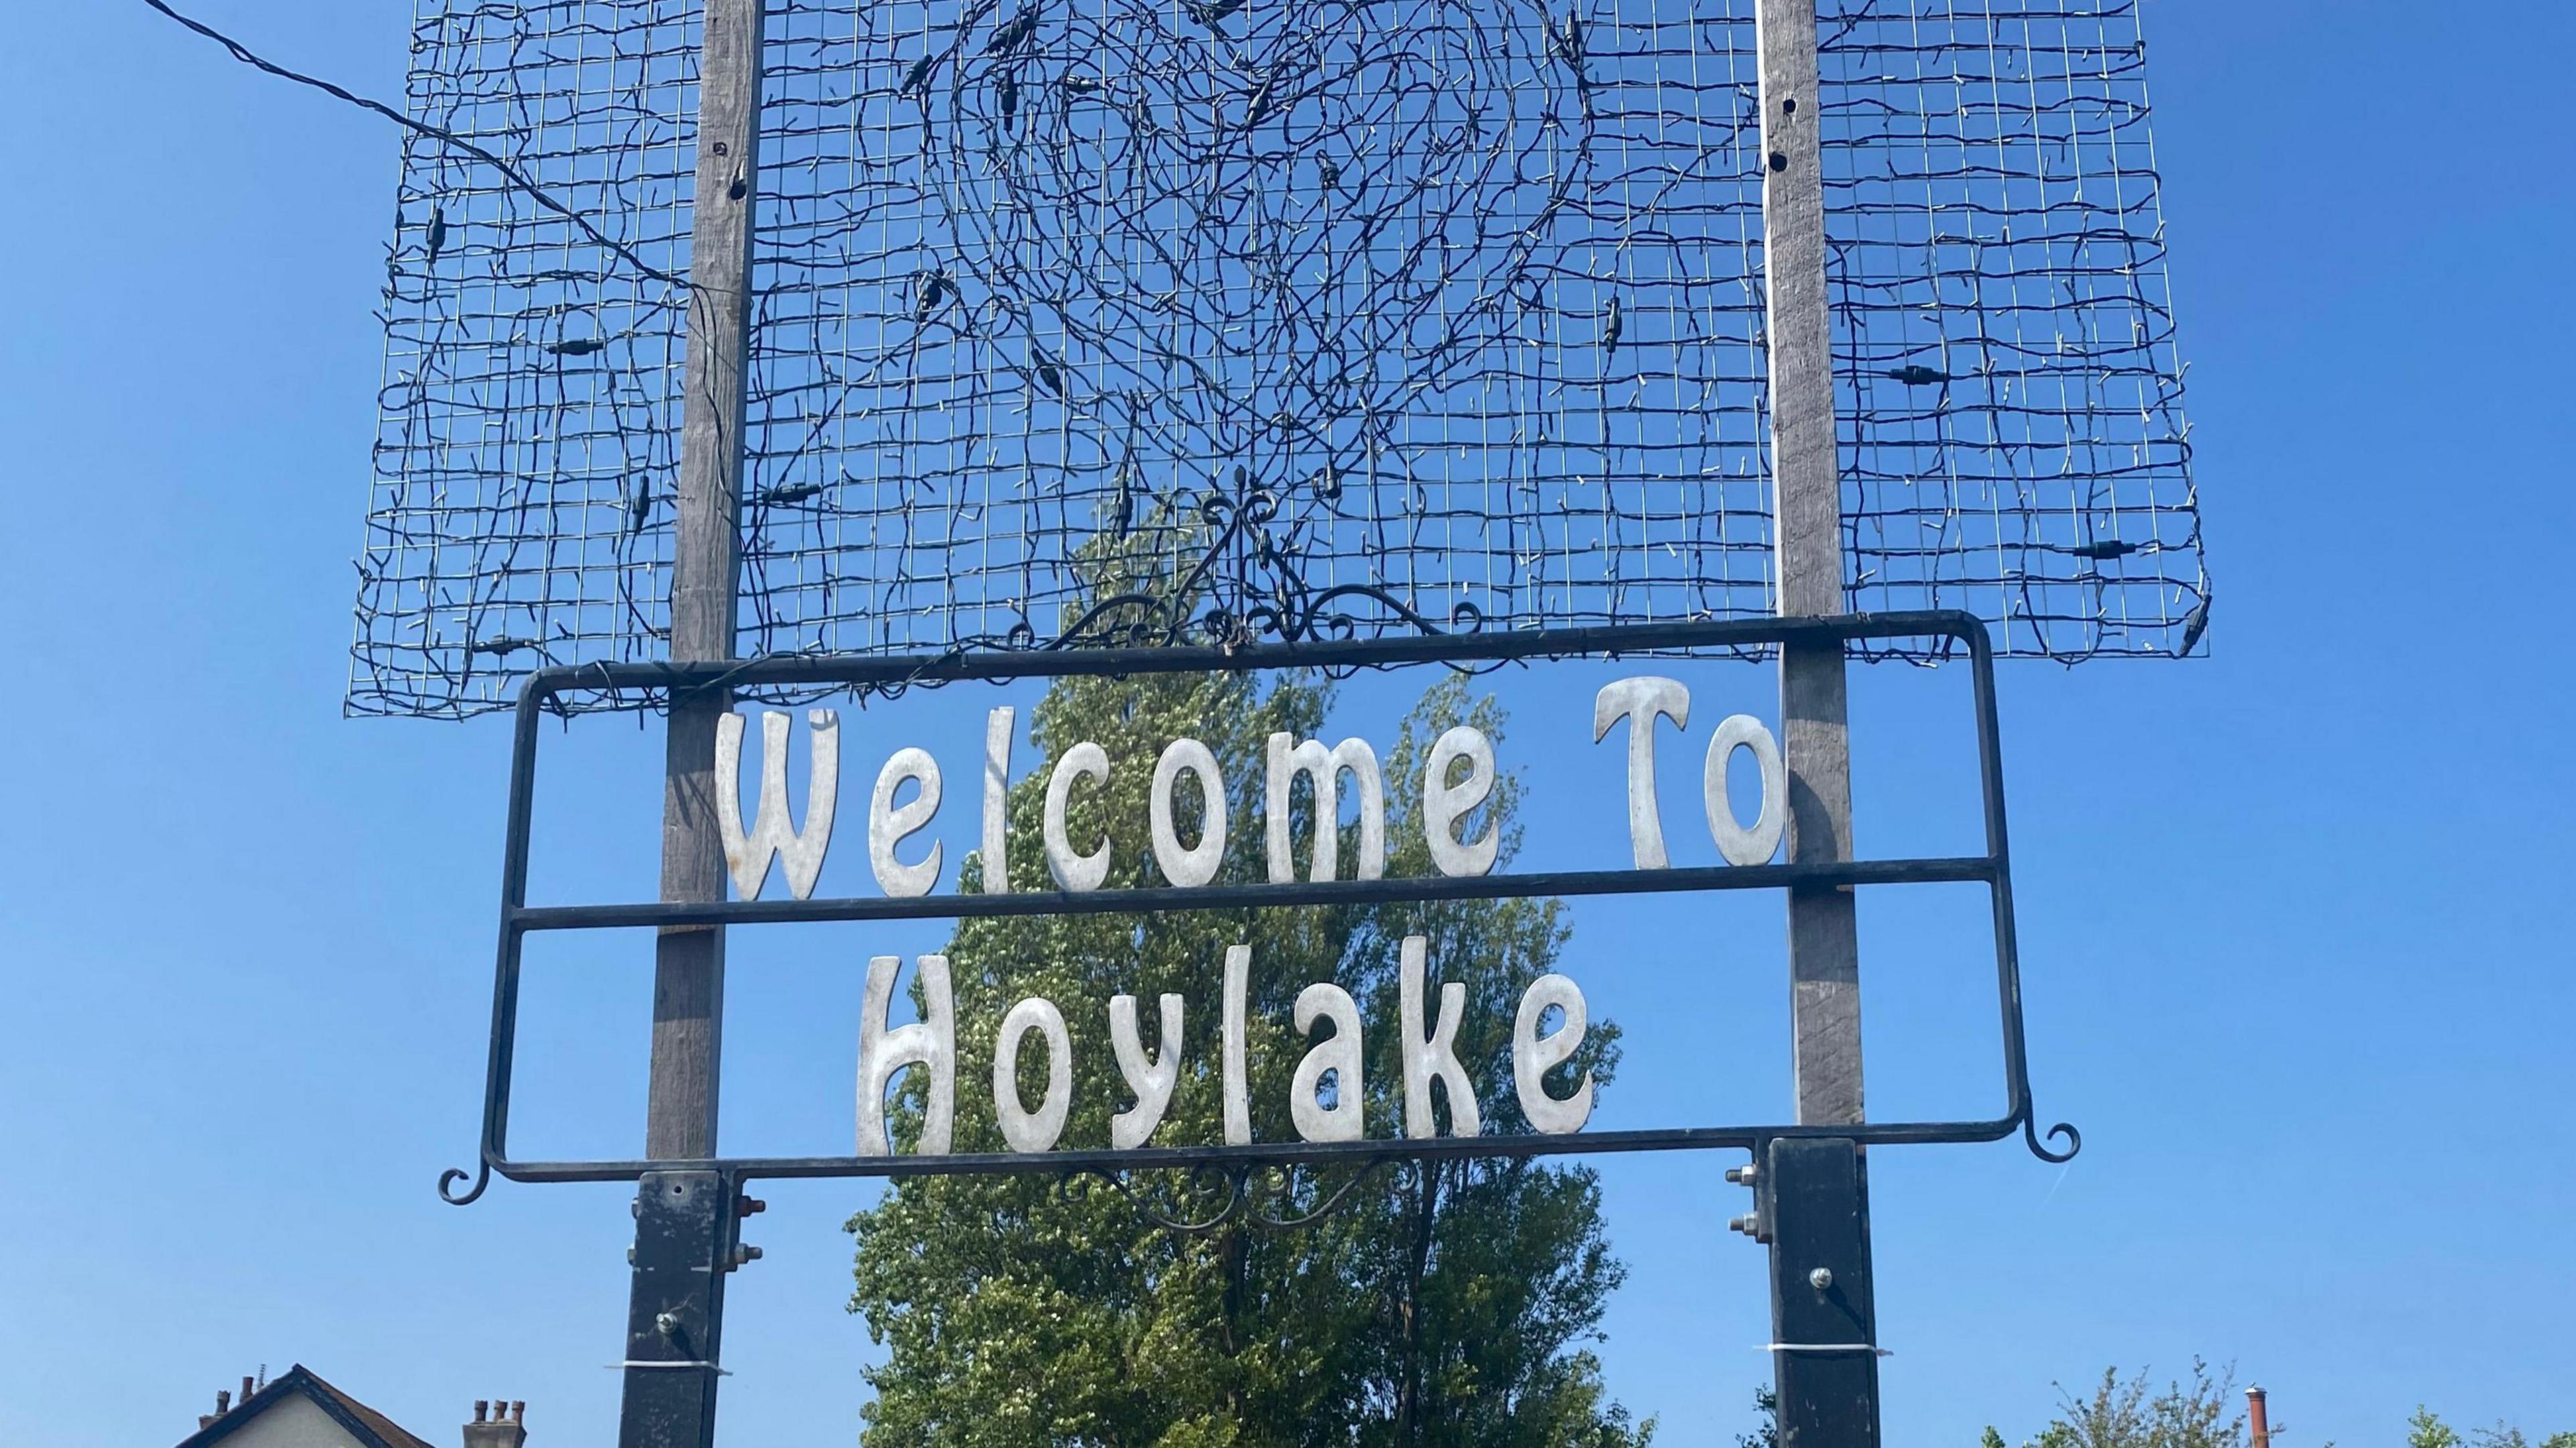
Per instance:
(1325,1100)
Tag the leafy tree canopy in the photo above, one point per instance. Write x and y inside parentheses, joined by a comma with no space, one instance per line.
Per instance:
(2426,1430)
(2201,1414)
(1442,1304)
(2127,1413)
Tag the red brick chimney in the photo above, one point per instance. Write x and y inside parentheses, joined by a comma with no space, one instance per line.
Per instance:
(2258,1422)
(497,1424)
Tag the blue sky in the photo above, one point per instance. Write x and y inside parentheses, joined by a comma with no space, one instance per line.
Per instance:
(2291,961)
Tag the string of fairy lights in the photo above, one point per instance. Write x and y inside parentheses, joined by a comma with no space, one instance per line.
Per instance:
(1458,303)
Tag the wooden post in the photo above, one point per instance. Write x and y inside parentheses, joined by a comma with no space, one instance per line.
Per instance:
(1807,536)
(671,1402)
(1828,1397)
(688,977)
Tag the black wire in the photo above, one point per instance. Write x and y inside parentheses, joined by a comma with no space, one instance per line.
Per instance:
(246,56)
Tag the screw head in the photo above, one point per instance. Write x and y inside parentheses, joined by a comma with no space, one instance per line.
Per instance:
(1821,1278)
(667,1323)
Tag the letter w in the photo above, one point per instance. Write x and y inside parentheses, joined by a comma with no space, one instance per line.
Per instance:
(772,834)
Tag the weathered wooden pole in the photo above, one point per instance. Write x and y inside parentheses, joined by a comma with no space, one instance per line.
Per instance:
(706,560)
(1823,1318)
(684,1219)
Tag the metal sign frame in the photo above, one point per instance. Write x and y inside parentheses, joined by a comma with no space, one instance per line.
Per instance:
(1993,868)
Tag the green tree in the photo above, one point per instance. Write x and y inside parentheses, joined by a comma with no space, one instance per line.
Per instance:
(2426,1430)
(1446,1303)
(2501,1435)
(2118,1413)
(1766,1406)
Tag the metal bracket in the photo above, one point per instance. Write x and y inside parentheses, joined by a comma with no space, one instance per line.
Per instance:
(1824,1316)
(684,1234)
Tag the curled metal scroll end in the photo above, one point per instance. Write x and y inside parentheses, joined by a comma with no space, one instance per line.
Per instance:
(2074,1140)
(1225,1188)
(448,1179)
(1073,1188)
(1285,1187)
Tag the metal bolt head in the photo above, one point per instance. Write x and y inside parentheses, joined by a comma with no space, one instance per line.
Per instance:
(1821,1278)
(667,1323)
(1748,1224)
(1745,1175)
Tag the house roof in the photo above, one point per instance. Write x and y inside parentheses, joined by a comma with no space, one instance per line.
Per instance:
(371,1428)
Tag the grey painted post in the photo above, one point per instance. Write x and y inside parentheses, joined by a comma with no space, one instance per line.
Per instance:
(1824,939)
(674,1406)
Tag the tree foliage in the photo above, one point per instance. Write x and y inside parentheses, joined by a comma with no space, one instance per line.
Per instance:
(2122,1413)
(2427,1430)
(1443,1304)
(1766,1407)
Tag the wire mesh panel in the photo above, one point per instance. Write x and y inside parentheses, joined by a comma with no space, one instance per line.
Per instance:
(2010,398)
(529,426)
(1363,314)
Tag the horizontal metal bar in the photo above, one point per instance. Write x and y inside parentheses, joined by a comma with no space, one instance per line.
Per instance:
(1221,897)
(1301,1153)
(1610,641)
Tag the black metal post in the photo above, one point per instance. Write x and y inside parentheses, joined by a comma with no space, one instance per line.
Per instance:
(1824,1317)
(684,1247)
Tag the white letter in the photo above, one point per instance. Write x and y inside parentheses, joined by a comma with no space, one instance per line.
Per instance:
(930,1042)
(1340,1055)
(1023,1130)
(888,826)
(1072,871)
(1149,1078)
(1638,701)
(1739,845)
(1197,864)
(1238,1101)
(997,790)
(1444,804)
(771,834)
(1325,768)
(1435,1055)
(1533,1055)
